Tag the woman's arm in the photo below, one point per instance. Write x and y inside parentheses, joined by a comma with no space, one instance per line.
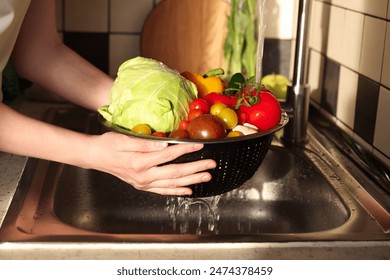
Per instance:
(132,160)
(40,56)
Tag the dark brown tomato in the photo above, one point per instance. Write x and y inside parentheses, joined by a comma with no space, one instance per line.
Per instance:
(206,126)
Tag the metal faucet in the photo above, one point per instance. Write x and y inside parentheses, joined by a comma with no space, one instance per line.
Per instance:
(298,94)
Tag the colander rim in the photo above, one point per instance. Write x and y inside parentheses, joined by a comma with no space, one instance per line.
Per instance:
(116,128)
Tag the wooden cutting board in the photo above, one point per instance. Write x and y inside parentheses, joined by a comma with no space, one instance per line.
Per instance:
(186,35)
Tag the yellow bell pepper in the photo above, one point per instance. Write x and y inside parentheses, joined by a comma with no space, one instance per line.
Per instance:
(206,83)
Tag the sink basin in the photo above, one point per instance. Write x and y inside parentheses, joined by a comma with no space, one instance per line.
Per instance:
(287,195)
(296,194)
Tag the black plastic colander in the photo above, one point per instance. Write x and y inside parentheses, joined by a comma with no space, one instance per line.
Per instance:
(237,158)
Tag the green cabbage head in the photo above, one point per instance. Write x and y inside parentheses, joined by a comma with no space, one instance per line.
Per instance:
(148,92)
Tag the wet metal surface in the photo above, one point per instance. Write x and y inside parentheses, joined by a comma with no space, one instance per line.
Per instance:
(296,195)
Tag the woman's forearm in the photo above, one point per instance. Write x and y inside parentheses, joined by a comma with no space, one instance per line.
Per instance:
(41,57)
(25,136)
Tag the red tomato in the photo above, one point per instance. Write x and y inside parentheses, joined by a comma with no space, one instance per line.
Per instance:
(200,104)
(264,115)
(192,114)
(159,134)
(179,134)
(183,124)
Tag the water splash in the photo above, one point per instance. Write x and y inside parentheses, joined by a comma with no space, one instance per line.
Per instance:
(182,211)
(261,11)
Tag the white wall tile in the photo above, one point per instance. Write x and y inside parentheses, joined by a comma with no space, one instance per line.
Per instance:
(355,5)
(319,26)
(382,131)
(346,98)
(352,39)
(376,7)
(122,48)
(281,19)
(388,10)
(372,47)
(336,32)
(386,59)
(129,15)
(315,75)
(86,15)
(371,7)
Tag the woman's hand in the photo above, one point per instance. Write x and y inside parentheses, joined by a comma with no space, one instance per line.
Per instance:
(138,161)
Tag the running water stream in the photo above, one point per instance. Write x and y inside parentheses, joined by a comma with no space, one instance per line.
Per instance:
(261,11)
(182,209)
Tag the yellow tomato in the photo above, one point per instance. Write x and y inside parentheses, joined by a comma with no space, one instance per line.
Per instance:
(235,134)
(216,108)
(229,117)
(142,129)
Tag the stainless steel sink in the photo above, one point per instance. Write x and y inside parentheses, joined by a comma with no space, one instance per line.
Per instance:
(287,195)
(297,194)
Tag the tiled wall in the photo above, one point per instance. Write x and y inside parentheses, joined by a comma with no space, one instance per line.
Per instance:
(107,32)
(349,53)
(350,68)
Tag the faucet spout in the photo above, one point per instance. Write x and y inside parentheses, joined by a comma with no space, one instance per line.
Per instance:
(298,93)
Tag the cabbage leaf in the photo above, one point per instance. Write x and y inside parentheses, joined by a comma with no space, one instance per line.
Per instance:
(146,91)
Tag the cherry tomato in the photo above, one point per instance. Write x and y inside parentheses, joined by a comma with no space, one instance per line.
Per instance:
(192,114)
(142,129)
(179,134)
(159,134)
(228,117)
(200,104)
(217,108)
(183,124)
(235,134)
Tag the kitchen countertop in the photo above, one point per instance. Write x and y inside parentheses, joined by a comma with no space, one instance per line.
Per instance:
(11,169)
(12,166)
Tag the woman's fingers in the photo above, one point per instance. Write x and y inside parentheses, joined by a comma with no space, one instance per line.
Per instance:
(124,143)
(170,179)
(143,163)
(177,186)
(167,191)
(184,173)
(172,152)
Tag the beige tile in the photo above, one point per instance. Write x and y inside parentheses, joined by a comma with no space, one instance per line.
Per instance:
(280,19)
(371,7)
(376,7)
(386,59)
(355,5)
(315,75)
(352,39)
(346,98)
(129,15)
(382,131)
(372,48)
(319,26)
(86,15)
(122,48)
(388,10)
(336,33)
